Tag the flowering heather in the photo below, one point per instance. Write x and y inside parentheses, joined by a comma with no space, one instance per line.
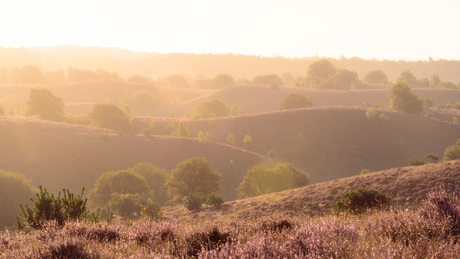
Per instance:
(431,231)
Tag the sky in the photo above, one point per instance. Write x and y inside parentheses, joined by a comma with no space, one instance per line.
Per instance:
(392,29)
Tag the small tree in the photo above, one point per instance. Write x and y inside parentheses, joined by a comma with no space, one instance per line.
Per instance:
(181,131)
(402,99)
(109,116)
(231,139)
(222,80)
(155,178)
(193,176)
(452,152)
(45,105)
(260,180)
(271,79)
(416,162)
(375,77)
(210,109)
(359,201)
(432,157)
(294,101)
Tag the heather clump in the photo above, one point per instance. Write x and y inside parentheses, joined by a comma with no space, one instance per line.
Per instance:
(205,240)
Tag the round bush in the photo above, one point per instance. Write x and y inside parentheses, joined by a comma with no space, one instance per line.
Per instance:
(359,201)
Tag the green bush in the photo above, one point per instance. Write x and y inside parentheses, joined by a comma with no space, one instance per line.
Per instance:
(416,162)
(294,101)
(452,152)
(45,105)
(215,200)
(108,116)
(359,201)
(364,171)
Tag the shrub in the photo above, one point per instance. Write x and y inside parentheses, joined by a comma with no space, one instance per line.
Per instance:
(364,171)
(181,131)
(231,139)
(215,200)
(402,99)
(452,152)
(432,157)
(359,201)
(210,109)
(416,162)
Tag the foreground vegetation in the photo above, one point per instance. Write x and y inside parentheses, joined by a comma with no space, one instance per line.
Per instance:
(430,231)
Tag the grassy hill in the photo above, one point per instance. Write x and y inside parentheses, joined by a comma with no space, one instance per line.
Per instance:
(407,187)
(256,99)
(60,155)
(332,142)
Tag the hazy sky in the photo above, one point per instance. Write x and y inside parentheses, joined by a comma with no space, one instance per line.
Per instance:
(391,29)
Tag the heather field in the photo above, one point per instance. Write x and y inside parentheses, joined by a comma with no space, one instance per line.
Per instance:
(429,231)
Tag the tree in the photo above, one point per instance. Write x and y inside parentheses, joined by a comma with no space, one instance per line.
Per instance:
(27,75)
(155,178)
(193,176)
(231,139)
(141,102)
(402,99)
(271,79)
(375,77)
(210,109)
(120,182)
(260,180)
(294,101)
(452,152)
(321,70)
(432,157)
(45,105)
(345,78)
(15,189)
(108,116)
(181,131)
(223,80)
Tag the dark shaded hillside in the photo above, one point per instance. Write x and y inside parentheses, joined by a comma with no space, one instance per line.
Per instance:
(59,155)
(407,187)
(334,142)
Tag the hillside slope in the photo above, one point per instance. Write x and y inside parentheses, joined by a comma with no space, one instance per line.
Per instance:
(59,155)
(332,142)
(407,187)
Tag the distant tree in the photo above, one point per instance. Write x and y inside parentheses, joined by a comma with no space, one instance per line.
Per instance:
(271,79)
(119,182)
(235,111)
(345,78)
(109,116)
(193,176)
(402,99)
(231,139)
(452,152)
(435,81)
(375,77)
(15,189)
(294,101)
(409,78)
(181,131)
(432,157)
(223,80)
(260,180)
(27,75)
(44,104)
(321,70)
(155,178)
(210,109)
(208,136)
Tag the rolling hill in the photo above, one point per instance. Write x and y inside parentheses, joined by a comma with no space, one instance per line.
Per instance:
(406,186)
(60,155)
(331,142)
